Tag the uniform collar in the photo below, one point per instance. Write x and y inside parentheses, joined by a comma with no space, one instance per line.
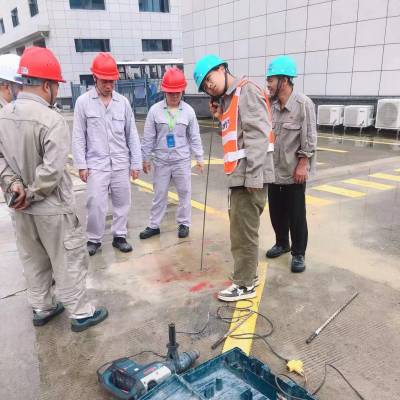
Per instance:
(165,106)
(30,96)
(234,85)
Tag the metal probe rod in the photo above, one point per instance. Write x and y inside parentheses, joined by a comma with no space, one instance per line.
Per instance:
(241,322)
(330,319)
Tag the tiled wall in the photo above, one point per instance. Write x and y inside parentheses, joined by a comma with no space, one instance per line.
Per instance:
(342,47)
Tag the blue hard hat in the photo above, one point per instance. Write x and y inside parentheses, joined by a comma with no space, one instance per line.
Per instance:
(204,66)
(282,65)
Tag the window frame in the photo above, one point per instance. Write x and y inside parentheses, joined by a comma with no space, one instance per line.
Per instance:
(33,7)
(82,45)
(88,5)
(2,27)
(165,4)
(15,17)
(146,46)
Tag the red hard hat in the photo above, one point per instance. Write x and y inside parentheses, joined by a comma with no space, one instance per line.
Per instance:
(105,67)
(173,81)
(40,62)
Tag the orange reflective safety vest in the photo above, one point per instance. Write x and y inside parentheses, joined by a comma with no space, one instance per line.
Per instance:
(229,124)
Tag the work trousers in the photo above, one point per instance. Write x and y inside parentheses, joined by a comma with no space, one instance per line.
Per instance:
(54,246)
(180,174)
(99,184)
(244,214)
(287,209)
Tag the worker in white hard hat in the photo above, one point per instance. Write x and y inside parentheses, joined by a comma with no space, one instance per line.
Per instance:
(9,83)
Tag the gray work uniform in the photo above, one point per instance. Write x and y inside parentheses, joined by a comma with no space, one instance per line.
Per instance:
(254,171)
(172,162)
(34,145)
(296,137)
(105,141)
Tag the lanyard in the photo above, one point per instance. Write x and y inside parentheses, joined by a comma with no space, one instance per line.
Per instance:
(171,119)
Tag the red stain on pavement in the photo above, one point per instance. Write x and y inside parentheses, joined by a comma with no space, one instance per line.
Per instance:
(200,286)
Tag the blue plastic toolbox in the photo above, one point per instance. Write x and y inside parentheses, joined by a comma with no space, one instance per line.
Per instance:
(230,376)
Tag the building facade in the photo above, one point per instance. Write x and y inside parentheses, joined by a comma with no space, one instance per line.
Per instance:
(76,30)
(344,48)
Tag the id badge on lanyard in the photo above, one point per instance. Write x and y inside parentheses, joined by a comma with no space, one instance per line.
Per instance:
(171,124)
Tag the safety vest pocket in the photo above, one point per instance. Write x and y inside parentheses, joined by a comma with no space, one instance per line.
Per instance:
(118,122)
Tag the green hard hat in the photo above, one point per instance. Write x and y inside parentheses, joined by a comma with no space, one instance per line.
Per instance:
(204,66)
(282,65)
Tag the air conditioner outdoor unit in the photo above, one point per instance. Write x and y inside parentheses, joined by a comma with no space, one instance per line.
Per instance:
(358,116)
(388,114)
(330,115)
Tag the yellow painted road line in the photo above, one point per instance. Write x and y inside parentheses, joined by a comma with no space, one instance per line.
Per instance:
(339,191)
(331,150)
(368,184)
(194,203)
(397,143)
(389,177)
(397,170)
(316,201)
(248,326)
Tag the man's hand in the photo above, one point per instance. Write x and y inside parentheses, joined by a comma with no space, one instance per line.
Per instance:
(215,109)
(83,174)
(300,173)
(20,202)
(200,167)
(146,167)
(134,174)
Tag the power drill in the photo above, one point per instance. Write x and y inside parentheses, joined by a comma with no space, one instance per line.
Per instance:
(128,380)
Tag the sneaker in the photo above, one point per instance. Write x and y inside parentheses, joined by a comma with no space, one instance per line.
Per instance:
(277,250)
(183,231)
(121,244)
(92,247)
(81,324)
(42,317)
(298,264)
(149,232)
(235,293)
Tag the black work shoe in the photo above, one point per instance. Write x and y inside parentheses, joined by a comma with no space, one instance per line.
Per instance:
(183,231)
(41,318)
(92,248)
(81,324)
(298,264)
(277,250)
(236,292)
(121,244)
(149,232)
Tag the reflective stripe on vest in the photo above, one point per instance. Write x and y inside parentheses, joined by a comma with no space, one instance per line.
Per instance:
(229,124)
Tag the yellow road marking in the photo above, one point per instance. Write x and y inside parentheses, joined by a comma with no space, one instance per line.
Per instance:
(194,203)
(389,177)
(368,184)
(316,201)
(249,326)
(339,191)
(331,150)
(397,143)
(397,170)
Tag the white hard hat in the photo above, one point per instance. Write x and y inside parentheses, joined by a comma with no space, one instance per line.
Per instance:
(9,64)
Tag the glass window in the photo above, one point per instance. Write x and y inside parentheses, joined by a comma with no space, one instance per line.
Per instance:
(86,80)
(39,43)
(92,45)
(33,7)
(87,4)
(2,30)
(156,44)
(14,17)
(154,5)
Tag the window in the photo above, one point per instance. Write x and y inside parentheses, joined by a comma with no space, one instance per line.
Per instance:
(86,80)
(87,4)
(20,50)
(154,5)
(14,17)
(33,7)
(87,45)
(156,44)
(2,30)
(39,43)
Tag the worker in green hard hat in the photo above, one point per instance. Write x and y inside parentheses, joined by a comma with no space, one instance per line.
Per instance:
(243,110)
(294,126)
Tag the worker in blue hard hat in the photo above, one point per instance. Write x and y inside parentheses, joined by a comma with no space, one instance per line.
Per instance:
(294,125)
(243,110)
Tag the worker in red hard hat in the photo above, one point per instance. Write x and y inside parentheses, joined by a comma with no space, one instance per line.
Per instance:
(106,150)
(171,135)
(34,146)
